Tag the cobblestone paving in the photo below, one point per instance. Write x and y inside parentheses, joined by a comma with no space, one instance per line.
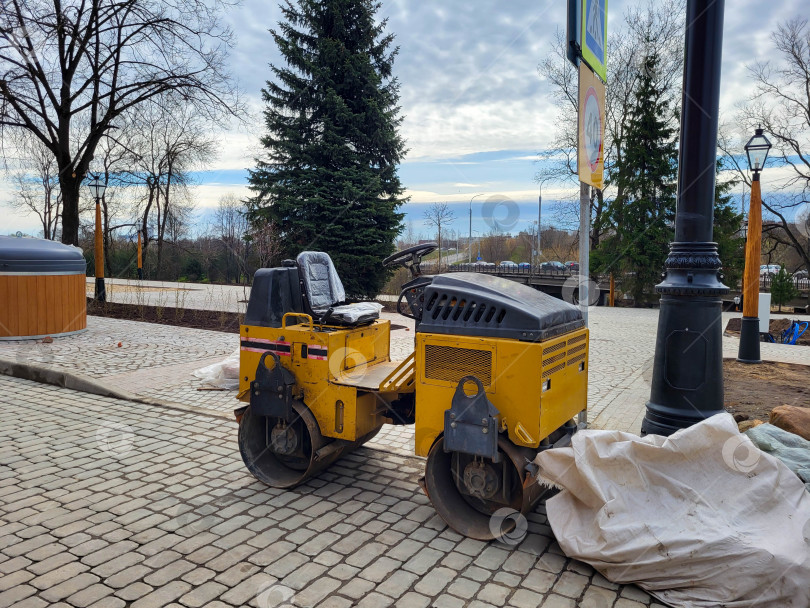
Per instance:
(621,358)
(157,360)
(107,503)
(96,353)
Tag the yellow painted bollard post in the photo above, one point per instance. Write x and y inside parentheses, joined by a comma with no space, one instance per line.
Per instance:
(140,258)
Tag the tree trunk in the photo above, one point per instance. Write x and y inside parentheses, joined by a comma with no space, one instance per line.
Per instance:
(162,223)
(145,222)
(70,208)
(105,231)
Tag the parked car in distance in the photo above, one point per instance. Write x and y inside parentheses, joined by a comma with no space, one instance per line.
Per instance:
(572,266)
(525,266)
(800,274)
(506,264)
(553,266)
(769,270)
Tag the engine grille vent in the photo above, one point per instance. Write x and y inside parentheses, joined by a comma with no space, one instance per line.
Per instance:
(554,348)
(554,359)
(576,349)
(576,360)
(451,364)
(551,370)
(576,339)
(445,306)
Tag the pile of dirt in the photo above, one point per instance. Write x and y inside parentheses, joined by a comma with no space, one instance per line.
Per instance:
(753,390)
(168,315)
(776,327)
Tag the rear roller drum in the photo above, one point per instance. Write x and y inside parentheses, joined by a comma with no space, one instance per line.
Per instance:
(467,491)
(284,455)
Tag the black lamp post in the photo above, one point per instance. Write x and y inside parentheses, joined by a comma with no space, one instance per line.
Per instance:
(757,151)
(97,188)
(687,383)
(469,254)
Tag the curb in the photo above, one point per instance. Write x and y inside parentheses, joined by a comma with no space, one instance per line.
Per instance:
(84,384)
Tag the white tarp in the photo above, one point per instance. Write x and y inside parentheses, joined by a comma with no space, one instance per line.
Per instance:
(224,374)
(699,519)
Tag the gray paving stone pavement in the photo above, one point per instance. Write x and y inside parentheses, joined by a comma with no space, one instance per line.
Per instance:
(112,503)
(156,361)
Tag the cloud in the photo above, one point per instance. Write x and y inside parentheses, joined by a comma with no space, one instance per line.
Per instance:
(475,112)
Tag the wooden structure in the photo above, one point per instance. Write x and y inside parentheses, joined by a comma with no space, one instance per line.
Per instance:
(42,289)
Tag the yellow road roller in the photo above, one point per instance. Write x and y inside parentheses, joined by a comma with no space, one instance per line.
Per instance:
(498,373)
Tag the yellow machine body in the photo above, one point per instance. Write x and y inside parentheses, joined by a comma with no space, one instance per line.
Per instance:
(338,371)
(536,386)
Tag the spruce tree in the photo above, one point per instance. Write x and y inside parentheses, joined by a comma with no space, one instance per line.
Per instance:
(782,288)
(328,179)
(643,217)
(727,224)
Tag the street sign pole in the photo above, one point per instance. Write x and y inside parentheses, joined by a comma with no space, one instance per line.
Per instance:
(587,49)
(584,247)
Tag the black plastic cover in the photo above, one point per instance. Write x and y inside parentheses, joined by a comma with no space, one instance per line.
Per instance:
(473,304)
(18,254)
(275,291)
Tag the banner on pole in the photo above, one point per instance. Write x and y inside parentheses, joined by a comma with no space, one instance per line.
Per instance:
(593,38)
(591,128)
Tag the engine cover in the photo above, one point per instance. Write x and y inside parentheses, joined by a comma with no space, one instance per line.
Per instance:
(473,304)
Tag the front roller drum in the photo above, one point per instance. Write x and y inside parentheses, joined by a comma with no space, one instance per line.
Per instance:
(467,491)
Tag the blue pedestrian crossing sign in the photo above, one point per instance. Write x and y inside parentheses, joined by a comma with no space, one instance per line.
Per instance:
(594,36)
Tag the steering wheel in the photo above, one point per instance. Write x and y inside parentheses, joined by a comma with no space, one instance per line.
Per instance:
(411,254)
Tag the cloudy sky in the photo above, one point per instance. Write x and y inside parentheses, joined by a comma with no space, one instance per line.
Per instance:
(476,113)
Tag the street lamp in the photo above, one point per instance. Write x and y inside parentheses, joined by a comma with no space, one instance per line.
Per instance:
(97,188)
(757,152)
(539,220)
(687,382)
(469,255)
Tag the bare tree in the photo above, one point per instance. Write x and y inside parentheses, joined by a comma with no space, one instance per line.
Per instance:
(68,70)
(37,184)
(439,215)
(780,105)
(118,196)
(231,225)
(658,25)
(164,144)
(265,243)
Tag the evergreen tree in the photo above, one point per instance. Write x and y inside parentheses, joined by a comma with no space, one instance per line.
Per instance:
(329,178)
(639,223)
(642,219)
(782,288)
(727,223)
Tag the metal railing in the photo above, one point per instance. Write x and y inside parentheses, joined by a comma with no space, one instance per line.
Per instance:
(800,283)
(510,270)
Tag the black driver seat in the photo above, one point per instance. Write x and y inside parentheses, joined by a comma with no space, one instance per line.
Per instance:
(324,295)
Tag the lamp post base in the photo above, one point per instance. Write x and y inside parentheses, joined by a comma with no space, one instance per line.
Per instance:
(100,293)
(687,383)
(140,274)
(749,341)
